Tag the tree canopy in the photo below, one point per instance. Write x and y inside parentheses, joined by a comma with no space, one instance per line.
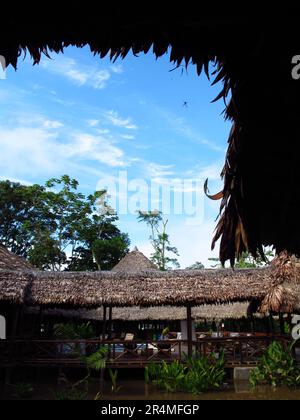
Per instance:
(56,227)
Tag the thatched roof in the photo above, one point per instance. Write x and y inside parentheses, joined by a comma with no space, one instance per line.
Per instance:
(133,262)
(165,313)
(10,261)
(147,288)
(260,203)
(284,295)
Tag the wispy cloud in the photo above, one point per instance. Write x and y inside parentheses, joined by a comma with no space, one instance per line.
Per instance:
(127,137)
(92,123)
(180,126)
(52,124)
(117,68)
(97,148)
(48,147)
(18,181)
(155,170)
(78,73)
(114,118)
(211,172)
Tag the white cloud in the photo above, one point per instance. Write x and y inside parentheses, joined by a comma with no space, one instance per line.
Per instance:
(180,126)
(114,118)
(211,172)
(37,148)
(77,73)
(127,137)
(52,124)
(18,181)
(97,148)
(25,150)
(155,170)
(92,123)
(117,68)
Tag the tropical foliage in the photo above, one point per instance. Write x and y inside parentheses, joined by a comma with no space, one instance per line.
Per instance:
(204,374)
(23,390)
(57,228)
(277,367)
(196,375)
(69,331)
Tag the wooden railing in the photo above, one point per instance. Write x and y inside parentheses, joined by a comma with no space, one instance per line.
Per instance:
(237,351)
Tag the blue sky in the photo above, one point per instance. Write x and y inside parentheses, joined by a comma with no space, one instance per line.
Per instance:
(123,125)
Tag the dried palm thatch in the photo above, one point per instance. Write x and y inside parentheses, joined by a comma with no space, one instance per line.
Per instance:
(284,294)
(261,178)
(133,262)
(10,261)
(165,313)
(146,288)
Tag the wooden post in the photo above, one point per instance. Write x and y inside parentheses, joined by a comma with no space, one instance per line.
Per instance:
(104,321)
(103,337)
(189,330)
(110,321)
(281,320)
(272,326)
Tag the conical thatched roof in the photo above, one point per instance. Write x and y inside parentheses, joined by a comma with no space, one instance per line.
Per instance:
(133,262)
(10,261)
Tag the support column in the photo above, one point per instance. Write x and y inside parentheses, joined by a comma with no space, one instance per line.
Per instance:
(281,320)
(104,321)
(189,330)
(109,328)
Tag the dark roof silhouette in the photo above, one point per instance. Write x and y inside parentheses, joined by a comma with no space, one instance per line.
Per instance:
(253,61)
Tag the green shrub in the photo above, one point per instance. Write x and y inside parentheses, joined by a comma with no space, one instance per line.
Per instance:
(196,375)
(23,390)
(204,374)
(97,360)
(168,377)
(277,367)
(70,331)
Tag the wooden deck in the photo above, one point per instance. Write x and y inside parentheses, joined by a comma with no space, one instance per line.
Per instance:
(238,351)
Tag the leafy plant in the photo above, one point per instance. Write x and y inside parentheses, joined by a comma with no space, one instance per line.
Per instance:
(23,390)
(97,360)
(277,367)
(114,378)
(169,377)
(69,331)
(71,395)
(196,375)
(204,374)
(165,331)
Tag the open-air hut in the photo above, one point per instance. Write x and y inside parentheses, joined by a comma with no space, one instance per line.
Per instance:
(151,293)
(149,318)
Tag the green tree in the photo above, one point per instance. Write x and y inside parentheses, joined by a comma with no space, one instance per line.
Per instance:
(246,260)
(196,266)
(21,214)
(58,228)
(159,240)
